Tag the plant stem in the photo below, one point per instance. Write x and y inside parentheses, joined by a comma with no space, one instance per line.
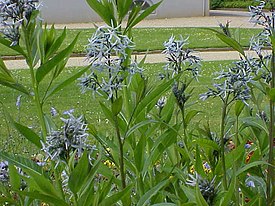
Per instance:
(236,163)
(37,101)
(121,156)
(224,109)
(270,175)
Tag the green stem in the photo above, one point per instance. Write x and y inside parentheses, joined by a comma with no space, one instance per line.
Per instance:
(235,163)
(121,156)
(270,175)
(36,98)
(224,109)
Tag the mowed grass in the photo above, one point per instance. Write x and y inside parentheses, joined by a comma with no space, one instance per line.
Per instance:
(84,104)
(152,38)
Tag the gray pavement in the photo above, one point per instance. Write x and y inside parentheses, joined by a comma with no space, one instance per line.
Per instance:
(150,58)
(238,19)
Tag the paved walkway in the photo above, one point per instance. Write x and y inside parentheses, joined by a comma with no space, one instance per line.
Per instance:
(151,58)
(237,20)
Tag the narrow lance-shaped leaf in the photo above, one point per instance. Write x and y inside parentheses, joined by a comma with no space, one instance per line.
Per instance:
(13,85)
(65,83)
(57,43)
(22,162)
(44,69)
(142,16)
(44,198)
(16,48)
(156,93)
(4,70)
(101,10)
(149,194)
(25,131)
(79,174)
(229,41)
(117,196)
(199,198)
(15,180)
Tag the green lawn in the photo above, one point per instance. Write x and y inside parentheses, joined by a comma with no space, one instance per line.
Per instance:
(153,38)
(71,97)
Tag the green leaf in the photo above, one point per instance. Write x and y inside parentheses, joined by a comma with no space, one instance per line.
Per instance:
(117,196)
(139,153)
(230,158)
(155,94)
(149,194)
(190,115)
(38,182)
(103,9)
(138,126)
(44,69)
(15,180)
(4,70)
(79,174)
(44,197)
(16,48)
(65,83)
(117,106)
(142,16)
(168,110)
(164,204)
(57,43)
(109,115)
(29,134)
(229,41)
(207,143)
(163,142)
(14,85)
(199,198)
(25,131)
(239,106)
(198,166)
(252,164)
(89,179)
(123,7)
(256,123)
(21,162)
(107,112)
(228,195)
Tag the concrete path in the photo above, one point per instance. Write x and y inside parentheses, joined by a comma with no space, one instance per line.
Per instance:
(238,19)
(151,58)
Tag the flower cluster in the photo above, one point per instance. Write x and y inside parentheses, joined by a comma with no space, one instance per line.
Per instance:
(258,16)
(234,85)
(107,53)
(180,59)
(207,188)
(72,138)
(262,40)
(12,15)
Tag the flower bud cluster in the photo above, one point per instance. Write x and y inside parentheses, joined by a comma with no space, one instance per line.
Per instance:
(207,187)
(12,15)
(233,83)
(72,138)
(180,59)
(107,52)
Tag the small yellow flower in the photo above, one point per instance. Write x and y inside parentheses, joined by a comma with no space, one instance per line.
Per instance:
(109,164)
